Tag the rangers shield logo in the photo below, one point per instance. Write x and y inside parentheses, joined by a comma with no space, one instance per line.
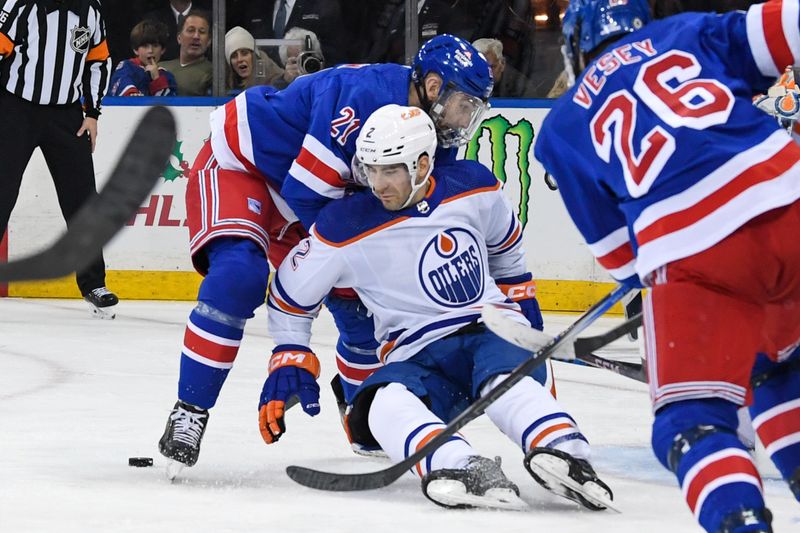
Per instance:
(79,39)
(451,270)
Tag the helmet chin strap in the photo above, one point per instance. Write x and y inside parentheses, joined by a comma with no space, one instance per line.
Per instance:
(414,189)
(422,95)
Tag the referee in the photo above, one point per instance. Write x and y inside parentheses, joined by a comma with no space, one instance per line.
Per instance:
(52,53)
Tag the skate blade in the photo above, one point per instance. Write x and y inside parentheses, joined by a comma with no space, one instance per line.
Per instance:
(365,452)
(173,468)
(452,493)
(554,471)
(103,313)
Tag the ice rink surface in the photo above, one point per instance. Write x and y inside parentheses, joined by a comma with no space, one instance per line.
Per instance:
(78,396)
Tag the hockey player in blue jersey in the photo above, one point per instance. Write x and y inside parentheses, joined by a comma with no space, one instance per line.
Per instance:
(425,249)
(679,183)
(278,156)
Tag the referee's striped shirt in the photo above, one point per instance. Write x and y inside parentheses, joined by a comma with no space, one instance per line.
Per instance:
(54,52)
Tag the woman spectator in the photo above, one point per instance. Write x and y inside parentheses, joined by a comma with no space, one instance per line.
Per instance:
(247,65)
(141,75)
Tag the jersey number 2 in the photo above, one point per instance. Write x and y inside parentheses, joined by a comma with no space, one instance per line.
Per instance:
(669,86)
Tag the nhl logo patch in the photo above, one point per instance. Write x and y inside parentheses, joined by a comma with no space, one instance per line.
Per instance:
(79,39)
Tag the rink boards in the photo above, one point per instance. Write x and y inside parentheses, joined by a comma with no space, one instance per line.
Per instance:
(149,259)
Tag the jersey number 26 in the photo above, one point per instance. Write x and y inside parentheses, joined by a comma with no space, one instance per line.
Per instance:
(670,87)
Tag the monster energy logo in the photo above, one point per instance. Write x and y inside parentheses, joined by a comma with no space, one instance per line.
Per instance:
(499,130)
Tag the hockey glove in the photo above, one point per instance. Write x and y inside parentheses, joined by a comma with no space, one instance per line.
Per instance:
(293,372)
(522,289)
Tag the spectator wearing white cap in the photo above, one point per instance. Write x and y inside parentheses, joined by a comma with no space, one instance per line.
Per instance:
(247,65)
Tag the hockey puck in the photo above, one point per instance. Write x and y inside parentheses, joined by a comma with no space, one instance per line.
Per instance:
(140,461)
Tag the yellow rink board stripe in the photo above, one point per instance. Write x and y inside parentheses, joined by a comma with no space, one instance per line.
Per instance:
(553,295)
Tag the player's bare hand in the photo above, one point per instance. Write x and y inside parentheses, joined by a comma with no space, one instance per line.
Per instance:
(89,126)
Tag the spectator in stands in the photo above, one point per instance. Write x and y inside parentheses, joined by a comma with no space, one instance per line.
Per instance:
(172,13)
(192,69)
(142,76)
(508,81)
(271,18)
(247,65)
(301,59)
(384,23)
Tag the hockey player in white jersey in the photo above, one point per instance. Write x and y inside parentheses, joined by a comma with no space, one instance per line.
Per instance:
(425,250)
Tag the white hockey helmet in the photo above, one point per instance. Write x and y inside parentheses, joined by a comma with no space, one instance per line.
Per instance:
(393,135)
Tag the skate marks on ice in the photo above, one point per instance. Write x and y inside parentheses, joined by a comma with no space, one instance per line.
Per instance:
(48,374)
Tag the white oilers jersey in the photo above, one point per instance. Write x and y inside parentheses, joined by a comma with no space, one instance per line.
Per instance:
(424,271)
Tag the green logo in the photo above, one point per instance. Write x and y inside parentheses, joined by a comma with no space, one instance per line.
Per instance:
(172,172)
(499,131)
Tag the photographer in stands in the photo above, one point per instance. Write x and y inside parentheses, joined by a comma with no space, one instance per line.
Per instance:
(301,59)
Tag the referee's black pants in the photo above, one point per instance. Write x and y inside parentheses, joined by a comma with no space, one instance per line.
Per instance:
(25,126)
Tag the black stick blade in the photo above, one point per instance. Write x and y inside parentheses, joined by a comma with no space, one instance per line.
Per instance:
(331,481)
(105,214)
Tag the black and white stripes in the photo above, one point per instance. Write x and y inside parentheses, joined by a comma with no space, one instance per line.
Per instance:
(54,52)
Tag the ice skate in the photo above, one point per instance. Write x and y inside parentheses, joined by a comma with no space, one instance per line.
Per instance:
(747,518)
(567,476)
(102,303)
(182,436)
(481,484)
(358,449)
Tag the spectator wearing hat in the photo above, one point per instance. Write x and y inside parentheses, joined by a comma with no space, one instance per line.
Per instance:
(247,65)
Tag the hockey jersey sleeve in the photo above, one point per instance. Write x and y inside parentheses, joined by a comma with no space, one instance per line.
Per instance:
(8,27)
(772,33)
(504,239)
(297,289)
(98,65)
(320,171)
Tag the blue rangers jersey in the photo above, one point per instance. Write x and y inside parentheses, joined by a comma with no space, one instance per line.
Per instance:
(424,271)
(658,151)
(301,140)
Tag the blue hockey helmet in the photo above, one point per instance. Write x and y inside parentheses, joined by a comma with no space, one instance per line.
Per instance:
(589,23)
(466,85)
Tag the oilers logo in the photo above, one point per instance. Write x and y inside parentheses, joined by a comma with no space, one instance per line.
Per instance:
(451,268)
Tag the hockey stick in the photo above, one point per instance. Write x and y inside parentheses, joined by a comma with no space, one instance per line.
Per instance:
(331,481)
(623,368)
(580,352)
(584,347)
(103,216)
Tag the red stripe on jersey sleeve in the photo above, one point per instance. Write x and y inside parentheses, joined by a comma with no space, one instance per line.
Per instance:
(232,137)
(318,168)
(773,33)
(618,257)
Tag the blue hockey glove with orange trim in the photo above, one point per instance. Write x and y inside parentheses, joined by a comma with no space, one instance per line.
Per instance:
(293,372)
(522,290)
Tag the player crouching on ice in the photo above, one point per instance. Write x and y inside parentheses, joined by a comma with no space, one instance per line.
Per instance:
(423,253)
